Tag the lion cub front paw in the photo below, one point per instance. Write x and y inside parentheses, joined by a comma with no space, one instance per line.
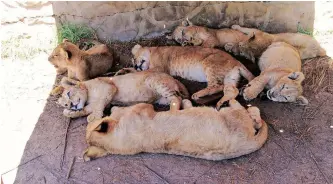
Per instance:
(235,27)
(248,94)
(68,113)
(57,91)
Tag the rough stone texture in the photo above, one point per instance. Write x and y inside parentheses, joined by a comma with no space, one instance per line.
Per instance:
(133,20)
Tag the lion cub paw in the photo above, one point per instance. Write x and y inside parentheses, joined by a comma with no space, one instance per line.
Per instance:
(91,118)
(228,47)
(254,113)
(186,104)
(195,96)
(68,113)
(235,27)
(93,152)
(57,91)
(248,94)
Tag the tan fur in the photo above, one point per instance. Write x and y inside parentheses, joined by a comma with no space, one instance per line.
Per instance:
(147,86)
(259,41)
(81,65)
(280,67)
(205,37)
(219,69)
(199,132)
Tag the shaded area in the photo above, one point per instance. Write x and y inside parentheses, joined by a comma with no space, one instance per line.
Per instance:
(298,149)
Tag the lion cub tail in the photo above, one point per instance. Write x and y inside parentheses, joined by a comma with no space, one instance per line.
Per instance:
(246,73)
(183,91)
(261,136)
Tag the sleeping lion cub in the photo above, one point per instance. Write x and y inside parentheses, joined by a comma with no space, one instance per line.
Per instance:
(280,67)
(200,132)
(259,41)
(219,69)
(189,34)
(92,96)
(81,65)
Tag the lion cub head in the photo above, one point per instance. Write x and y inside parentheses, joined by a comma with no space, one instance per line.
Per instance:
(254,46)
(288,89)
(75,94)
(61,55)
(141,59)
(186,34)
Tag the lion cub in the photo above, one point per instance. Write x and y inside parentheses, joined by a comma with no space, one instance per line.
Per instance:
(259,41)
(189,34)
(280,67)
(200,132)
(81,65)
(92,96)
(219,69)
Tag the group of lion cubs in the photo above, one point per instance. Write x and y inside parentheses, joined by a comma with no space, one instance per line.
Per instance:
(200,132)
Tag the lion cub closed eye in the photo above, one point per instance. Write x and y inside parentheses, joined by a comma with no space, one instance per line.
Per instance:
(280,67)
(81,65)
(200,132)
(92,96)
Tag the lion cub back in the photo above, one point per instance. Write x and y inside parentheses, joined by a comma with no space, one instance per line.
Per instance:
(280,55)
(100,63)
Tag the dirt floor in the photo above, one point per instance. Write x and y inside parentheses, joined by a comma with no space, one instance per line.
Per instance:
(298,150)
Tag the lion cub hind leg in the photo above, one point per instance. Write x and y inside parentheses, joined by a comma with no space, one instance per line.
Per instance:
(230,87)
(93,152)
(165,86)
(254,113)
(209,90)
(98,49)
(248,31)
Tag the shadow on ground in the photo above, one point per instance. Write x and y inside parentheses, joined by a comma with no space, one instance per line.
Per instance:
(299,149)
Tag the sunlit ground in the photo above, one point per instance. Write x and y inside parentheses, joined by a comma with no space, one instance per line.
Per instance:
(323,25)
(26,79)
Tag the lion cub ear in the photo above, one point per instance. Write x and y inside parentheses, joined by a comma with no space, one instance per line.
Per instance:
(136,48)
(252,36)
(301,100)
(106,125)
(186,23)
(67,82)
(65,40)
(296,76)
(196,41)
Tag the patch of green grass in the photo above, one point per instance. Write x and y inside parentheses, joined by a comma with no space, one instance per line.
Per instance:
(75,32)
(303,31)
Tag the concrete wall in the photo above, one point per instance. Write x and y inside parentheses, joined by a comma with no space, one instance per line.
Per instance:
(133,20)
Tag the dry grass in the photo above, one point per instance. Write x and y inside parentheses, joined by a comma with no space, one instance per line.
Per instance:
(315,71)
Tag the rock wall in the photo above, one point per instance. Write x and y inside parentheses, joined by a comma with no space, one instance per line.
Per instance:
(133,20)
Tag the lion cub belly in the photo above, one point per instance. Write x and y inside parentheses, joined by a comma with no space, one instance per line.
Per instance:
(131,91)
(193,72)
